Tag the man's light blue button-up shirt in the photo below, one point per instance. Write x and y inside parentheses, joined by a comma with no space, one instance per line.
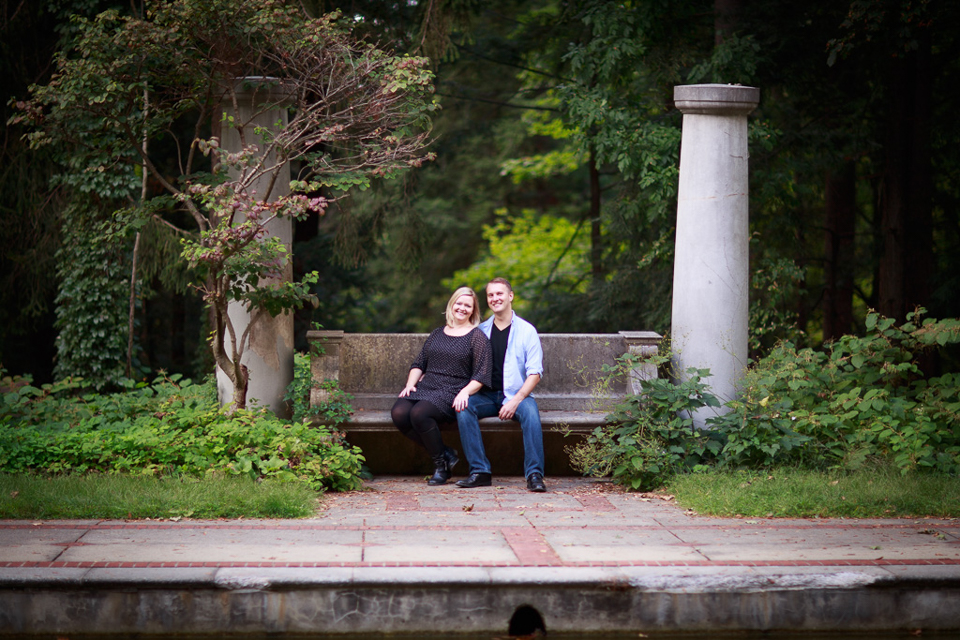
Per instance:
(524,355)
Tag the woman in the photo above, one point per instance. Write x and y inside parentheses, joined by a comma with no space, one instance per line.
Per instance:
(454,363)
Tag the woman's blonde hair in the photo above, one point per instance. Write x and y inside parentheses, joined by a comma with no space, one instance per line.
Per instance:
(464,291)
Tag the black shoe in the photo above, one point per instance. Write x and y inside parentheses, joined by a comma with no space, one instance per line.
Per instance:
(535,483)
(450,455)
(476,480)
(441,472)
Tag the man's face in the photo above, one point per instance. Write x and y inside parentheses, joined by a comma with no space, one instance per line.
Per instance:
(499,297)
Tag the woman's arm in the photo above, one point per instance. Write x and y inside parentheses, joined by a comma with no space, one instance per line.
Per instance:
(412,380)
(460,402)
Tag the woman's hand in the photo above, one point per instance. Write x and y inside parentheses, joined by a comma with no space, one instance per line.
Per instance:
(412,380)
(461,401)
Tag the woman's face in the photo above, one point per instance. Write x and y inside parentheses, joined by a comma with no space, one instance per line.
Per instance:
(463,308)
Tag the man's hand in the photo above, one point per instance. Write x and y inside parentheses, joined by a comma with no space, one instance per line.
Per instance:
(508,410)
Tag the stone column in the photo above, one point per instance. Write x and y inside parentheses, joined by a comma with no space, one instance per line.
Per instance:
(711,277)
(269,356)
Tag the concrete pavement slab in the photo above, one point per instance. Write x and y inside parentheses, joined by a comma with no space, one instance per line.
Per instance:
(431,547)
(213,544)
(620,544)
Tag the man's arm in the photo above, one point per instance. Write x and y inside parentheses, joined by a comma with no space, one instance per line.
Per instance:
(509,408)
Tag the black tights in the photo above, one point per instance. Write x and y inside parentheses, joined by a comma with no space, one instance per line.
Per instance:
(419,420)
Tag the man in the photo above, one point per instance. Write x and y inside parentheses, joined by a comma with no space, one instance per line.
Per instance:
(517,368)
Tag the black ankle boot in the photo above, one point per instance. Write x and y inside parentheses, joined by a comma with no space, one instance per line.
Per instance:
(442,472)
(452,458)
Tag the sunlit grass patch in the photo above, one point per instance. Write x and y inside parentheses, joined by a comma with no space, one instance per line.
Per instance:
(120,496)
(799,493)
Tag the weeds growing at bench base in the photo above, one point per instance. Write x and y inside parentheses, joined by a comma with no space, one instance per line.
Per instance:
(857,403)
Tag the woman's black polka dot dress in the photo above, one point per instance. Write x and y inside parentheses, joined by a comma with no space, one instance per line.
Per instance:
(448,364)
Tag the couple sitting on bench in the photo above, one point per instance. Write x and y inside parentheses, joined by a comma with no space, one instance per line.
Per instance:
(469,372)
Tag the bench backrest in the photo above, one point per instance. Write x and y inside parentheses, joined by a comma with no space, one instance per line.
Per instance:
(373,367)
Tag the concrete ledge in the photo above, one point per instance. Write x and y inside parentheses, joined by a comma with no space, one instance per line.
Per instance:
(476,599)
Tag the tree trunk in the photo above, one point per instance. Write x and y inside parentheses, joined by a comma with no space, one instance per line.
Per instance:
(840,212)
(240,385)
(596,240)
(906,264)
(725,18)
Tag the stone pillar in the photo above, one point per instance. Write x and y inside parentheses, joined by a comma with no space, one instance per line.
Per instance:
(269,355)
(711,278)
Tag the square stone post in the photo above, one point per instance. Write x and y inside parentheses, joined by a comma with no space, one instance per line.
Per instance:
(324,362)
(643,345)
(711,278)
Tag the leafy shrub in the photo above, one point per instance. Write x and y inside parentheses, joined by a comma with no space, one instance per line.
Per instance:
(171,426)
(857,398)
(651,436)
(853,401)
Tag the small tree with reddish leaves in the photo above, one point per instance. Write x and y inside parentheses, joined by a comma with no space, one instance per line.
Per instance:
(154,94)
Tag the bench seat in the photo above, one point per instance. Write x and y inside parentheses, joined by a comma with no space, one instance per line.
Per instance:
(576,421)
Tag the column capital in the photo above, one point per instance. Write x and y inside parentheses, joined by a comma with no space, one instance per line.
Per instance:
(260,90)
(716,99)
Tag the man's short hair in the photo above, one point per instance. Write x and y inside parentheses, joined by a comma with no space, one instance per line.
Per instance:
(504,281)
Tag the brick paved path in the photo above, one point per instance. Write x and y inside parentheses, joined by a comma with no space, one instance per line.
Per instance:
(401,522)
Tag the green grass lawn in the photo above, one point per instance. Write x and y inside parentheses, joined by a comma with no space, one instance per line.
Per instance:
(794,493)
(116,496)
(782,493)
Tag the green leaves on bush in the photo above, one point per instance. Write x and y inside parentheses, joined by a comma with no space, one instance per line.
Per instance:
(855,400)
(649,437)
(168,427)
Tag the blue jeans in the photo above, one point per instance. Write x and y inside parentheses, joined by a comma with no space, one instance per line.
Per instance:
(486,403)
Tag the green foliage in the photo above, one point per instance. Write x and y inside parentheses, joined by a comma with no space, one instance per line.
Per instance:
(92,317)
(168,427)
(533,252)
(774,289)
(735,57)
(856,401)
(334,410)
(651,436)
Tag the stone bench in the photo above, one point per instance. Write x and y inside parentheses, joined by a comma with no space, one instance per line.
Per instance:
(372,368)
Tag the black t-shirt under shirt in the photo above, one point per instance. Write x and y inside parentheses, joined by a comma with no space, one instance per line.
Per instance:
(498,342)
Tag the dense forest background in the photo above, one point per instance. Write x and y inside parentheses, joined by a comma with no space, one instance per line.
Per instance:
(557,148)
